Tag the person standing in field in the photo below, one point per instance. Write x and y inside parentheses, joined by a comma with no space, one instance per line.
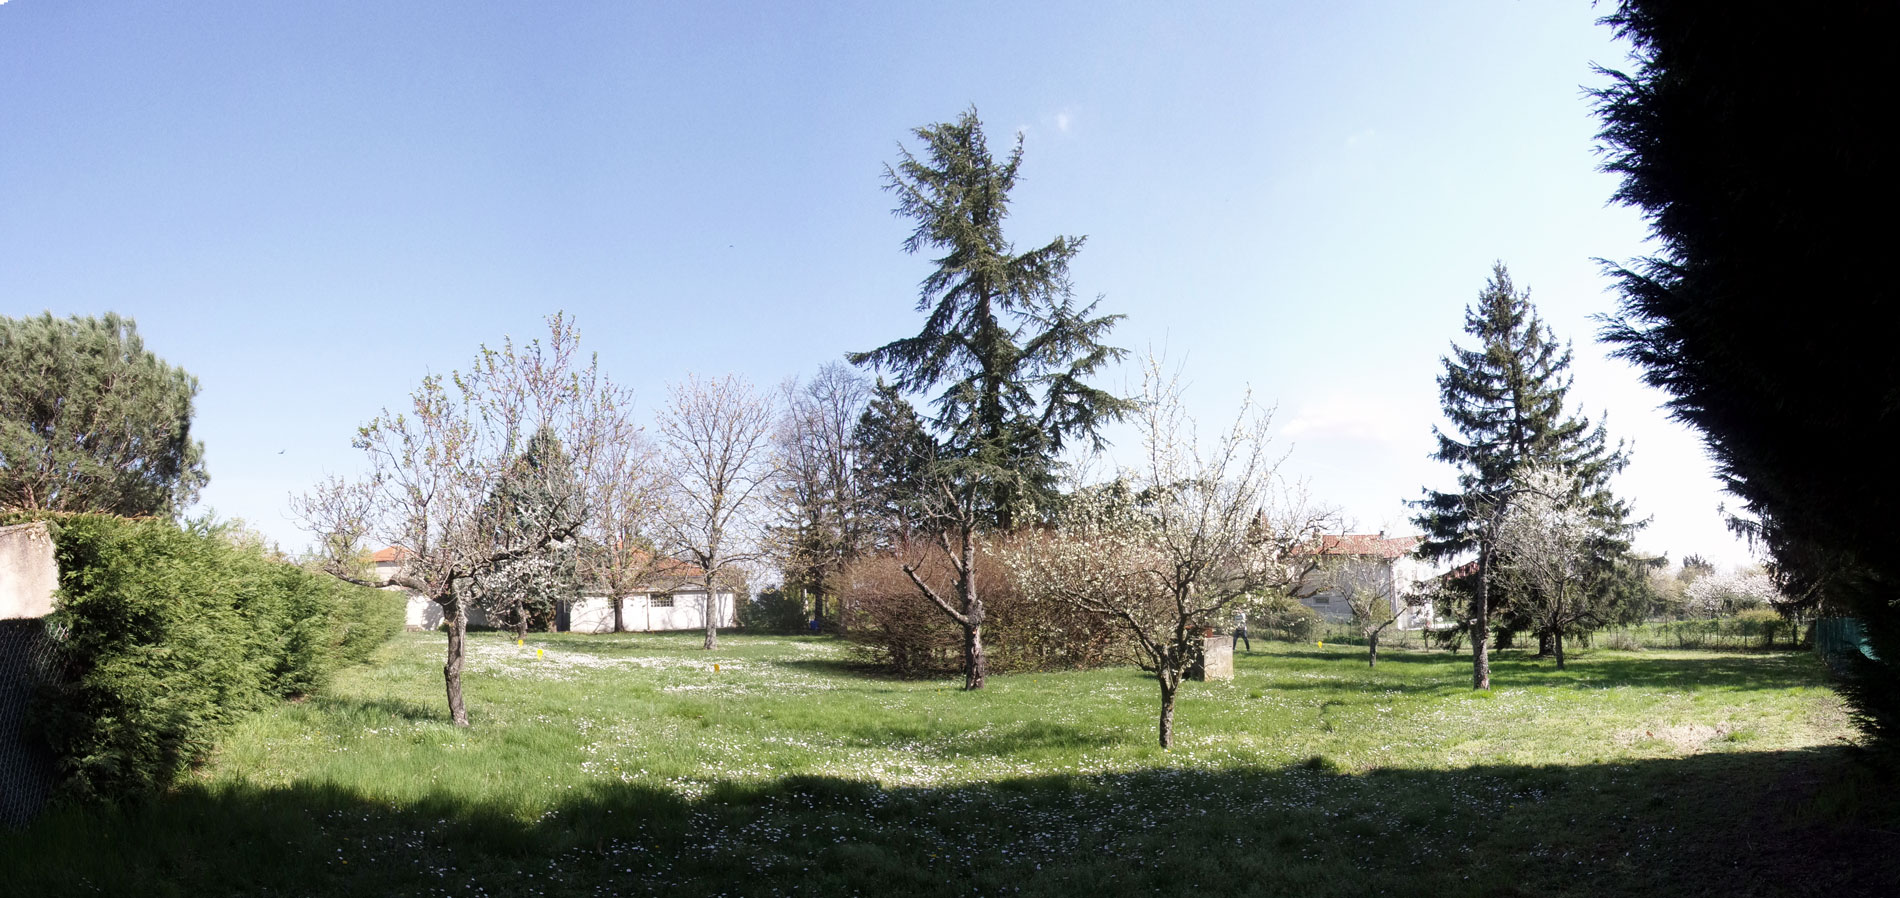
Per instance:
(1240,631)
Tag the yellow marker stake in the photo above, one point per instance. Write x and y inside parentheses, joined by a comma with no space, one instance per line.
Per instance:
(517,642)
(715,668)
(537,653)
(1322,643)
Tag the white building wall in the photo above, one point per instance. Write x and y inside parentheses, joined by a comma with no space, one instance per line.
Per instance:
(595,614)
(424,614)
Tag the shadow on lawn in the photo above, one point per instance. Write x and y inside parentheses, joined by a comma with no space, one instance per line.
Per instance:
(1513,668)
(377,708)
(1805,822)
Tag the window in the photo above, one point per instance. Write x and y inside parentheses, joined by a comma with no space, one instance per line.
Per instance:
(662,600)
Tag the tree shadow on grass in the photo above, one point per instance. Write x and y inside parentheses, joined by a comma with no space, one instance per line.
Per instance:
(1514,668)
(377,708)
(1803,822)
(863,670)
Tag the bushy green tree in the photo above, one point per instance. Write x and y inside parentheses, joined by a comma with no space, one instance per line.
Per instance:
(894,453)
(1750,135)
(1005,353)
(537,494)
(92,421)
(1504,398)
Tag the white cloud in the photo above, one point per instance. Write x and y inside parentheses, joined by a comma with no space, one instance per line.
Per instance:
(1346,417)
(1062,122)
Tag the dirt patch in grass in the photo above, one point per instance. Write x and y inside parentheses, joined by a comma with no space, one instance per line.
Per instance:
(1682,738)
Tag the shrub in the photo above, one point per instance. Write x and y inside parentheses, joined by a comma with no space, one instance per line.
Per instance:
(169,635)
(1760,623)
(1282,618)
(776,611)
(895,627)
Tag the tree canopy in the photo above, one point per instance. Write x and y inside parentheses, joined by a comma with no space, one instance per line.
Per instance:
(1006,350)
(1504,398)
(1750,136)
(536,494)
(91,420)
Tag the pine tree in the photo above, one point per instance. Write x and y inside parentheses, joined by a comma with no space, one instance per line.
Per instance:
(1004,347)
(1767,313)
(90,420)
(1504,398)
(895,450)
(537,493)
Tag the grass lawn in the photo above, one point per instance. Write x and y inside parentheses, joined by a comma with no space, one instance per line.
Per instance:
(607,765)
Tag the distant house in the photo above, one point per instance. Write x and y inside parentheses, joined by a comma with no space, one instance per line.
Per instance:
(670,599)
(1374,562)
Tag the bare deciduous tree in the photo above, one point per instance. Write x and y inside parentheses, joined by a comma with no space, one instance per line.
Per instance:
(1373,609)
(1172,545)
(434,467)
(823,519)
(715,450)
(624,487)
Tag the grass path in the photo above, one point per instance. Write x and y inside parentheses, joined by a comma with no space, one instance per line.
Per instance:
(640,764)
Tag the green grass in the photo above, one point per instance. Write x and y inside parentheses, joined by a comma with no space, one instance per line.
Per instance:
(628,765)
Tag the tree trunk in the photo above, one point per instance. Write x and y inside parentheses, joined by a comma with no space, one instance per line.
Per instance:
(975,664)
(818,599)
(1372,650)
(1557,641)
(711,606)
(1167,710)
(1480,650)
(1545,647)
(620,619)
(452,670)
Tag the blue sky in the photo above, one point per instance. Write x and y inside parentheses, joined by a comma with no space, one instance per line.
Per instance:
(310,206)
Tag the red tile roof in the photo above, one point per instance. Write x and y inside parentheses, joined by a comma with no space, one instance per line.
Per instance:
(1376,544)
(385,556)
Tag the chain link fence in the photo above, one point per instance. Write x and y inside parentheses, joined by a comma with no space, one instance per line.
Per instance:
(1835,638)
(29,663)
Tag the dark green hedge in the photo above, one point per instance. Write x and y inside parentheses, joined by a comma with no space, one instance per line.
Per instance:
(171,634)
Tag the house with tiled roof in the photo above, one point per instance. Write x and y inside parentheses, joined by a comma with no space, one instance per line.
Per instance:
(1385,565)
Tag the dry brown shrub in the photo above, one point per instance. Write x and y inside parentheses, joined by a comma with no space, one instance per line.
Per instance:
(893,626)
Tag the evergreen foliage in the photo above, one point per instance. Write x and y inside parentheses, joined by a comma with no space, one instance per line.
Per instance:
(170,635)
(1505,400)
(1005,348)
(1749,136)
(535,495)
(895,451)
(92,421)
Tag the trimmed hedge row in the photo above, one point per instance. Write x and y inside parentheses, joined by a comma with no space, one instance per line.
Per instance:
(170,635)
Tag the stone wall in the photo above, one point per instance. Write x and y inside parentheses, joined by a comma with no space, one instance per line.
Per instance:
(28,573)
(29,663)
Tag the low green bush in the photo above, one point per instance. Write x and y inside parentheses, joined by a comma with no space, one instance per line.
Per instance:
(775,611)
(170,634)
(1282,618)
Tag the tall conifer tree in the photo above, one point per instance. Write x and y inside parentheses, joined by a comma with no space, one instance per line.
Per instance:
(538,492)
(1750,137)
(1504,398)
(1005,349)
